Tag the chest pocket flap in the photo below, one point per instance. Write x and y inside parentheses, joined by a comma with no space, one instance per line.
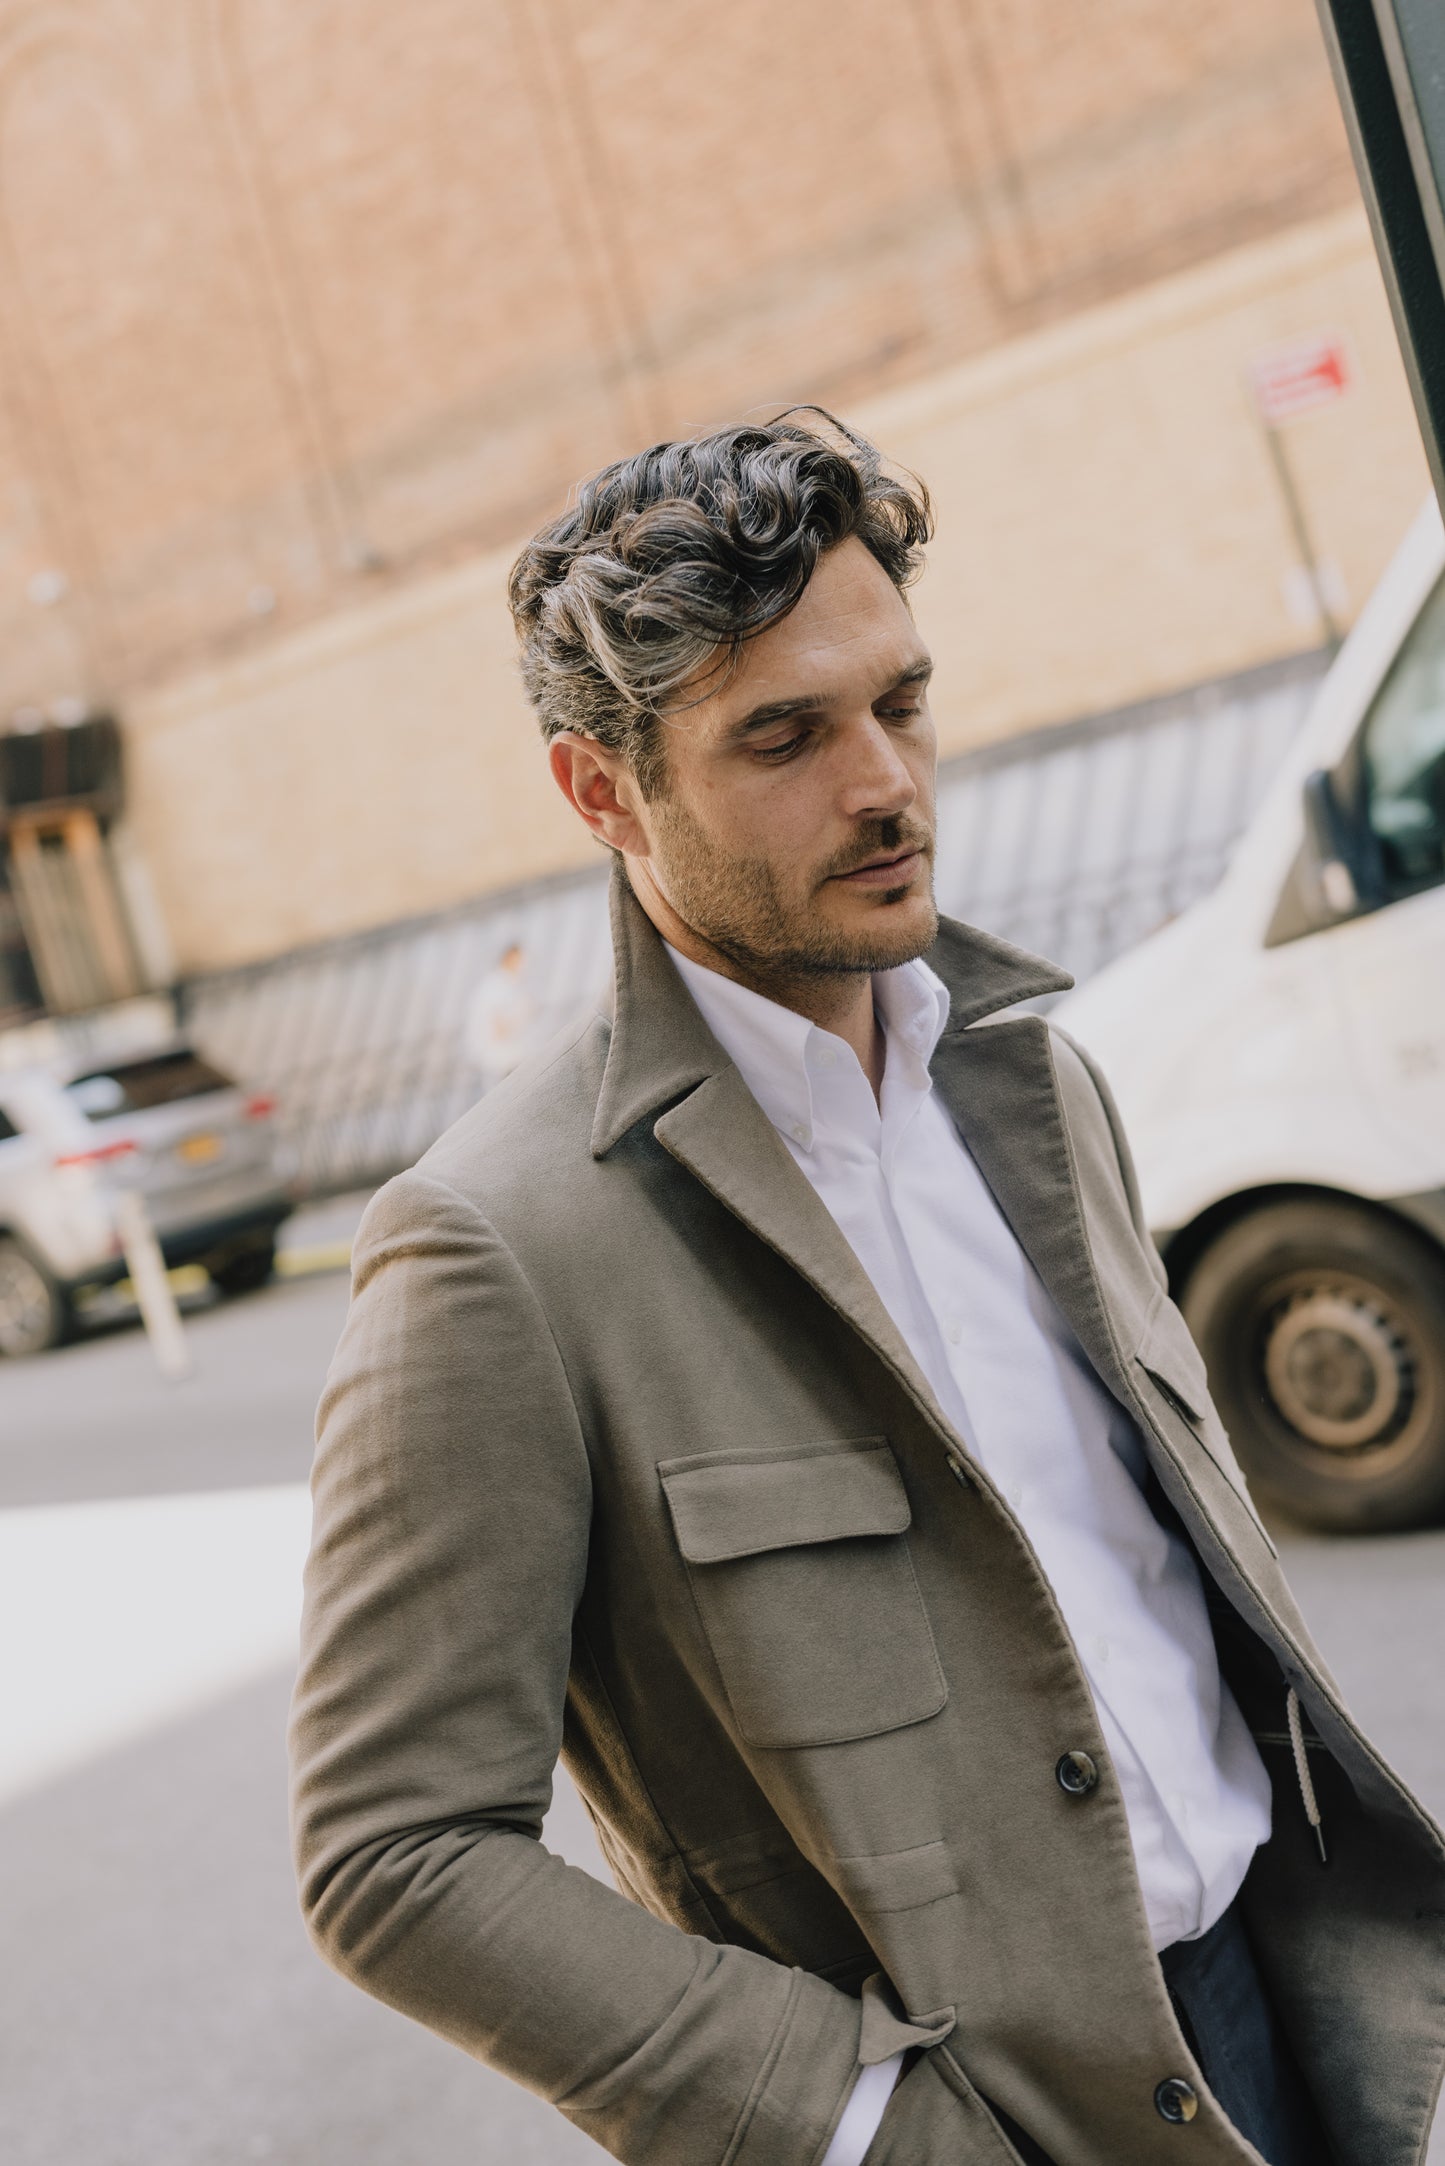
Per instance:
(725,1506)
(800,1570)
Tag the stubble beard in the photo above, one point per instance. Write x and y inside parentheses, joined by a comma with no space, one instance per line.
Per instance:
(774,943)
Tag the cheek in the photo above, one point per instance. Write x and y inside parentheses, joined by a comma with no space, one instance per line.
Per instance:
(792,826)
(764,813)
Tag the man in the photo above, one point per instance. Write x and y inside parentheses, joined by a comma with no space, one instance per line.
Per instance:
(769,1398)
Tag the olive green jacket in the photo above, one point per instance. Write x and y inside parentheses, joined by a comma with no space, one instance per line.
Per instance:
(621,1457)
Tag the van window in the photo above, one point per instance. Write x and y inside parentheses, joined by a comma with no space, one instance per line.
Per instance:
(1404,759)
(133,1086)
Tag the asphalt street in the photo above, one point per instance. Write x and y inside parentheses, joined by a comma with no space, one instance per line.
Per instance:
(160,2005)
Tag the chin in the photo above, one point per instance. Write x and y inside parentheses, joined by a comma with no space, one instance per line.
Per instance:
(900,926)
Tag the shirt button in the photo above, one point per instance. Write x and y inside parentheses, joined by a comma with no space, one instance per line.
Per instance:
(1077,1774)
(798,1132)
(1101,1651)
(1175,2100)
(953,1331)
(825,1056)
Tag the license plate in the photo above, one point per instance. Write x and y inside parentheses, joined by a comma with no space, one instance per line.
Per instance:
(199,1150)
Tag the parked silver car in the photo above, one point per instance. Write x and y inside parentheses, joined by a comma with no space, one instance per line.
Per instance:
(206,1155)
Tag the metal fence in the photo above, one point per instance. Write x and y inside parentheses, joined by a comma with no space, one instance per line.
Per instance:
(1075,842)
(1078,842)
(364,1041)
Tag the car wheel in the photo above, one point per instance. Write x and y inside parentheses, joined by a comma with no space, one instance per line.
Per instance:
(34,1312)
(1322,1324)
(244,1270)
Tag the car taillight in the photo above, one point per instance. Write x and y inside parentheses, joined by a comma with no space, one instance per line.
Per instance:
(98,1157)
(259,1108)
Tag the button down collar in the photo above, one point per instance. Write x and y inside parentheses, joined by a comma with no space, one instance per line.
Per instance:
(805,1078)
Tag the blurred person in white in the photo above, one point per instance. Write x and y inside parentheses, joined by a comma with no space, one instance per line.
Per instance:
(770,1395)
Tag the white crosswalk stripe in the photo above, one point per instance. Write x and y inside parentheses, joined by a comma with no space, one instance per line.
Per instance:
(119,1615)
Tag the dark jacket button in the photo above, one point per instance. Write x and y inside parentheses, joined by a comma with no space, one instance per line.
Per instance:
(1176,2100)
(1078,1775)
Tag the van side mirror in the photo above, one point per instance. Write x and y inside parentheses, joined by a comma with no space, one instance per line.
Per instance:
(1324,884)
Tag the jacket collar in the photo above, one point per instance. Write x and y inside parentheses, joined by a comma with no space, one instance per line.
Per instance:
(661,1048)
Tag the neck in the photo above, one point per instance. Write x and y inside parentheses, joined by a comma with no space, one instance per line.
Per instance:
(840,1001)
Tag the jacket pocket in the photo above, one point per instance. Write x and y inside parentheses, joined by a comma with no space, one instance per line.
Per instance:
(800,1569)
(897,1880)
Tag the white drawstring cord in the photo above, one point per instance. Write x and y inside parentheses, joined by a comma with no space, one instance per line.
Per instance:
(1302,1770)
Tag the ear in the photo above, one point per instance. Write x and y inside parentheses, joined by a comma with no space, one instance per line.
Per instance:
(601,789)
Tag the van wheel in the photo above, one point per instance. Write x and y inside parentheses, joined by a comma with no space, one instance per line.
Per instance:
(34,1313)
(1322,1324)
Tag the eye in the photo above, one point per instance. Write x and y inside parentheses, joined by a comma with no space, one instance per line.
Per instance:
(776,754)
(902,714)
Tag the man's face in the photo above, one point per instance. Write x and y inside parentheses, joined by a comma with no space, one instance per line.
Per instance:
(794,830)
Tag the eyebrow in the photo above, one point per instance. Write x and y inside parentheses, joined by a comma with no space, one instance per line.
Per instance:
(780,710)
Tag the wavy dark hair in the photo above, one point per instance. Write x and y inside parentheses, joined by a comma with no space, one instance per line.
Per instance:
(652,582)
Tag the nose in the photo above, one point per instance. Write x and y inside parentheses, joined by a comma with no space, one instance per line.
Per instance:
(878,782)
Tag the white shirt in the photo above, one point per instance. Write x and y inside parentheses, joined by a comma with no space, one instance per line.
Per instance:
(1015,1384)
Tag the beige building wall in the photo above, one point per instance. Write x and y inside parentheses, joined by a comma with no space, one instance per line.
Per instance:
(1109,521)
(1109,528)
(298,302)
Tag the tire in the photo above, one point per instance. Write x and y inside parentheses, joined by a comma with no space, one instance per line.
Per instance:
(34,1311)
(1322,1324)
(244,1271)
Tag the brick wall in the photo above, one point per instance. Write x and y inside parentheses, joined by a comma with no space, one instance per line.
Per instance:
(300,299)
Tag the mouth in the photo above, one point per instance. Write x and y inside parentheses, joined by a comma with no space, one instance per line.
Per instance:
(892,868)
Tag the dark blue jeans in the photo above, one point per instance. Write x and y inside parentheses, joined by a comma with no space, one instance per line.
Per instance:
(1226,2017)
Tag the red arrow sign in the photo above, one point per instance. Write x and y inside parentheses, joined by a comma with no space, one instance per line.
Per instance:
(1295,379)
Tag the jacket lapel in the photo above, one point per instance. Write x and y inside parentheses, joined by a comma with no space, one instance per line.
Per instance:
(997,1083)
(722,1136)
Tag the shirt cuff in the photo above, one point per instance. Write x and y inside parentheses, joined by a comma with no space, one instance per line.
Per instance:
(863,2113)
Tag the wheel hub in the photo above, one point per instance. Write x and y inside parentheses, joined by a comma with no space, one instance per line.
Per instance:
(1338,1368)
(24,1305)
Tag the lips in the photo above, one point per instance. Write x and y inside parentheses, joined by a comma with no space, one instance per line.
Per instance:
(894,870)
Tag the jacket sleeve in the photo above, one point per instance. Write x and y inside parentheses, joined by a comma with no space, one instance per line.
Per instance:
(449,1548)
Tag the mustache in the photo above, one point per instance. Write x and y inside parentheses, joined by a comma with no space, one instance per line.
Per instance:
(880,838)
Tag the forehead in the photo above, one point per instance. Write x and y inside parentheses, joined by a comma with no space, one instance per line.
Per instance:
(850,636)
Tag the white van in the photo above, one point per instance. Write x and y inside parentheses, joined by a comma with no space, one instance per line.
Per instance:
(1278,1053)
